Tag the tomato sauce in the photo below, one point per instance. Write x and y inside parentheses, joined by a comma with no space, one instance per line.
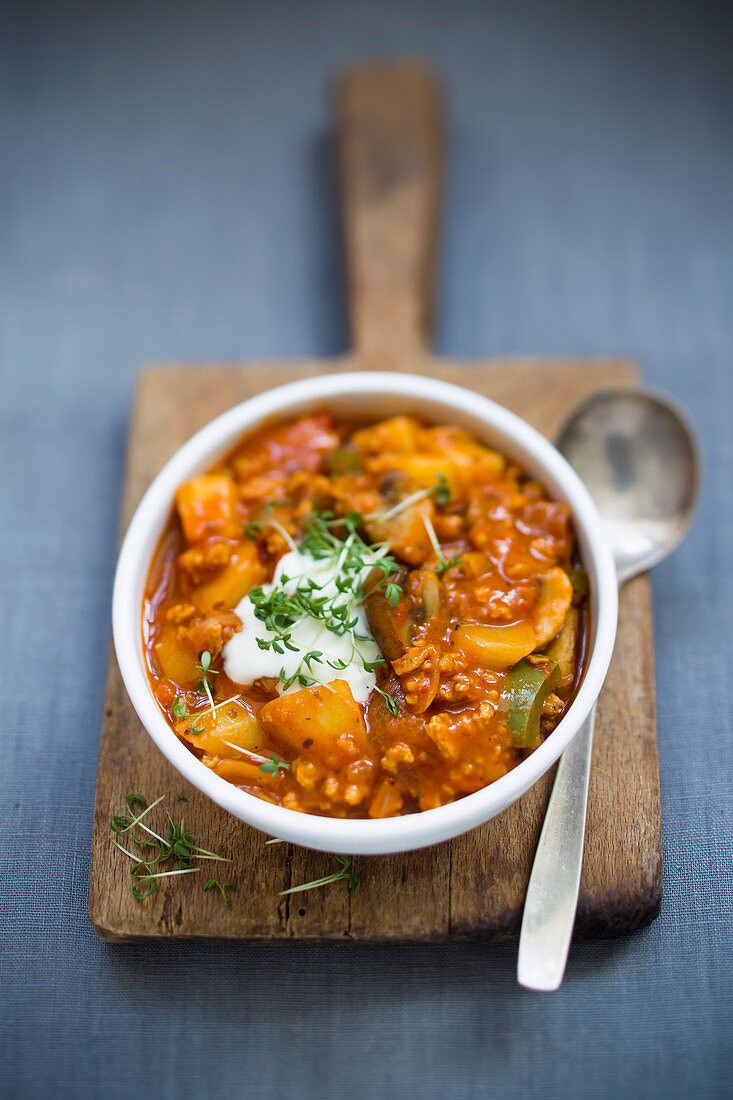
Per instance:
(431,636)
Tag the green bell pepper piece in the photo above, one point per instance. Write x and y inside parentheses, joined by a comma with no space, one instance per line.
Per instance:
(528,686)
(580,582)
(344,460)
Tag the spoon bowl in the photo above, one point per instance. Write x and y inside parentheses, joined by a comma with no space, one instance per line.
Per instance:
(638,457)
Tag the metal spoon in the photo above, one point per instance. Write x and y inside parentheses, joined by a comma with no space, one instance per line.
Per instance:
(638,457)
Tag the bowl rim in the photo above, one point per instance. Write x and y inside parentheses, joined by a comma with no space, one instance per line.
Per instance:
(361,836)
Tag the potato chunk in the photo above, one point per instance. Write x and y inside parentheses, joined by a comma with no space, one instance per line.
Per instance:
(398,434)
(553,600)
(497,647)
(471,462)
(208,507)
(243,571)
(406,532)
(324,717)
(242,773)
(177,660)
(562,649)
(229,729)
(422,471)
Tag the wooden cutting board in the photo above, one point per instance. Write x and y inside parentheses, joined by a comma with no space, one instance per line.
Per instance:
(471,888)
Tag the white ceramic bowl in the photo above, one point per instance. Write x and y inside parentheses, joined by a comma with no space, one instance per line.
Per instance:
(374,395)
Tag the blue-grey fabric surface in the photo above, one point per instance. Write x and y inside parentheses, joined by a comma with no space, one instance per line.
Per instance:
(166,193)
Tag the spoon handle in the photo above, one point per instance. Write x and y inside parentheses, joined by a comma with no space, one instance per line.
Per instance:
(552,894)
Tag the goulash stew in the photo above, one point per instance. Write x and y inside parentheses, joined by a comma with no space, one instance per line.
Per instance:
(364,621)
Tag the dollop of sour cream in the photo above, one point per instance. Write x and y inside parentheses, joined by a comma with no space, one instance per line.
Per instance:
(245,661)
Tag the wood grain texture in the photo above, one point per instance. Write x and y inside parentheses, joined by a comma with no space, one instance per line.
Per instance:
(468,889)
(390,165)
(388,126)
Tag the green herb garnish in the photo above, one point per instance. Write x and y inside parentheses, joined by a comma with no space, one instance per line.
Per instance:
(179,708)
(442,489)
(178,845)
(203,683)
(447,563)
(441,492)
(443,562)
(270,766)
(391,703)
(222,887)
(336,541)
(392,592)
(352,879)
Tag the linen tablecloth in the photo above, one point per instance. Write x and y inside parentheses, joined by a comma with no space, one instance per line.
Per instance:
(167,192)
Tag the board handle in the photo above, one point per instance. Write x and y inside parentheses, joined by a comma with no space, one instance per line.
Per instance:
(390,159)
